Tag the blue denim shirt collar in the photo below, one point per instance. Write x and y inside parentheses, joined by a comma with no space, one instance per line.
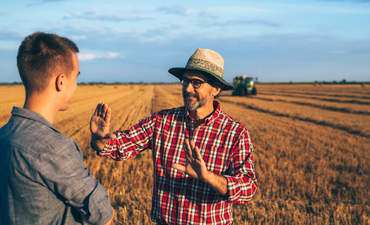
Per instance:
(31,115)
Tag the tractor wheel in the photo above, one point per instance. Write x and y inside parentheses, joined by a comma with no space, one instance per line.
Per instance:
(242,92)
(254,91)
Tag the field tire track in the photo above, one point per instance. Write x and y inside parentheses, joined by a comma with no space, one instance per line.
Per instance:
(331,108)
(134,108)
(323,94)
(74,129)
(305,119)
(319,98)
(165,98)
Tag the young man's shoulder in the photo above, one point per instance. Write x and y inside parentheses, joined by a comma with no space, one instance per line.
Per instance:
(32,136)
(32,147)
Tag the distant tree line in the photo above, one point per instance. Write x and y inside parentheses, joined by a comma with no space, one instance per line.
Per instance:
(343,81)
(100,83)
(319,82)
(10,83)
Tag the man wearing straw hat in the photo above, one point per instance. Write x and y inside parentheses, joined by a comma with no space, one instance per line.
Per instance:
(202,157)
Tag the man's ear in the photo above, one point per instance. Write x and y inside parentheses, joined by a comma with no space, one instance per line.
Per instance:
(60,82)
(216,91)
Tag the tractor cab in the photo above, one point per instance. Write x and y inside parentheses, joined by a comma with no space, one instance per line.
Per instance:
(243,86)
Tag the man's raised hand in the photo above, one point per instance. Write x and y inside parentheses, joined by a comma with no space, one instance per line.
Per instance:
(100,122)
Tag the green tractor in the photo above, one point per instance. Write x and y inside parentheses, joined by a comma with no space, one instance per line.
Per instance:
(243,86)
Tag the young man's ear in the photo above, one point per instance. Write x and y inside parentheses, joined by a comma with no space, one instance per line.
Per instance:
(60,82)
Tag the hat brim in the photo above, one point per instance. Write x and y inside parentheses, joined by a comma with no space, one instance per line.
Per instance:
(179,72)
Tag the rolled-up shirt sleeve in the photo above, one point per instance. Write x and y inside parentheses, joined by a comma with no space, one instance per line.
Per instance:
(242,183)
(131,142)
(65,175)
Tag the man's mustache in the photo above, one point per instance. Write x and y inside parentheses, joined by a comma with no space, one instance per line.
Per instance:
(187,95)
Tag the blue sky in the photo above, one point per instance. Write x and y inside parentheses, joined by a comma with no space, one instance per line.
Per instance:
(138,41)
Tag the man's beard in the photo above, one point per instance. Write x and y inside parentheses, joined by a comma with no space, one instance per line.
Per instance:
(194,105)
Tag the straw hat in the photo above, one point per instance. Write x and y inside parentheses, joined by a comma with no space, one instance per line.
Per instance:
(207,61)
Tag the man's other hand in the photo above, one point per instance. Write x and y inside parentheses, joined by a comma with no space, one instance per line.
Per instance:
(194,165)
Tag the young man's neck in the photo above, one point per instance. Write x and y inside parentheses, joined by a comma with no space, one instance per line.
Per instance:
(41,104)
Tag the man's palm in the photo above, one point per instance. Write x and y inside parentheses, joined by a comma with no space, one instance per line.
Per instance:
(194,165)
(100,121)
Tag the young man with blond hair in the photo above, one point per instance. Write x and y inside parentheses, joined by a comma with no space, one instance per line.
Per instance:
(43,179)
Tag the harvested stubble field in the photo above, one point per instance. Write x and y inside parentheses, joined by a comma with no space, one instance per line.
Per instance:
(311,142)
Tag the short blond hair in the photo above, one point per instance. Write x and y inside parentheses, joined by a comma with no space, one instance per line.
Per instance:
(40,55)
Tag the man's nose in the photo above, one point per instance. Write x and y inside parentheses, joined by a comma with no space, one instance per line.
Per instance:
(188,87)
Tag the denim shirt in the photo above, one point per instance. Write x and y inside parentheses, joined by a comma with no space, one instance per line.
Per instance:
(42,176)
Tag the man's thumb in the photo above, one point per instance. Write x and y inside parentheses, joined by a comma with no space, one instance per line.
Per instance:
(111,135)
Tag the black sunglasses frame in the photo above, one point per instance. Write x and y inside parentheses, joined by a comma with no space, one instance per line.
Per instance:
(196,83)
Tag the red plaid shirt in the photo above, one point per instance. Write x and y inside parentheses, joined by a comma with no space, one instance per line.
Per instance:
(178,198)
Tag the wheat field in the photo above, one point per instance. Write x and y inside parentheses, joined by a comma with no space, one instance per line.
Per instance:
(311,142)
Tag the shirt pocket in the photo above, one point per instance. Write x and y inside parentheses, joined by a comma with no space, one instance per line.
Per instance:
(217,160)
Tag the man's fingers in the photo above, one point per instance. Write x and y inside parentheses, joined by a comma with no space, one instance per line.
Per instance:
(105,111)
(185,169)
(100,109)
(197,152)
(96,110)
(111,135)
(108,114)
(188,152)
(179,167)
(192,145)
(187,145)
(188,149)
(188,157)
(193,151)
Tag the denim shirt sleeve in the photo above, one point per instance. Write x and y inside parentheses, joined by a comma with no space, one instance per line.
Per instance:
(65,175)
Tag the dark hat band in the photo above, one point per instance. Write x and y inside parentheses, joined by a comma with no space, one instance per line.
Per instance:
(205,66)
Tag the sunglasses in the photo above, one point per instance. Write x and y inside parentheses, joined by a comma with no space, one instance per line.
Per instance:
(194,82)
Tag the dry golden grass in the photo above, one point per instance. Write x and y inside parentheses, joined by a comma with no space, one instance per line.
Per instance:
(351,90)
(359,124)
(312,157)
(327,105)
(354,94)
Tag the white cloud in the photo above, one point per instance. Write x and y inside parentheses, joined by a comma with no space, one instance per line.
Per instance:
(106,16)
(87,56)
(235,10)
(112,54)
(176,10)
(261,22)
(78,37)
